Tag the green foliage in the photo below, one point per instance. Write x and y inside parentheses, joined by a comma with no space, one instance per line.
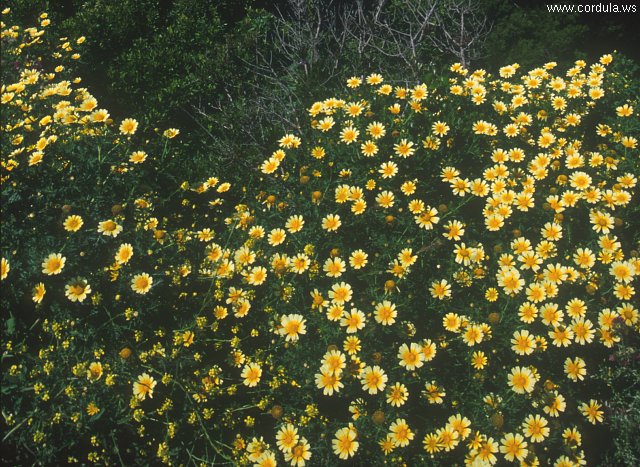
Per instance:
(621,374)
(79,365)
(532,35)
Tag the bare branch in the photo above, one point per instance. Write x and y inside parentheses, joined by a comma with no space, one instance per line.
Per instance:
(394,30)
(462,28)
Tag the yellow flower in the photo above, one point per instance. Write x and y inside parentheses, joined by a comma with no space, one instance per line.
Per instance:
(376,130)
(473,335)
(277,236)
(171,133)
(592,411)
(432,443)
(385,199)
(374,78)
(251,374)
(624,111)
(401,433)
(440,290)
(73,223)
(53,264)
(523,343)
(521,380)
(109,228)
(334,267)
(509,279)
(369,148)
(257,276)
(354,109)
(294,224)
(602,222)
(128,126)
(454,230)
(404,148)
(411,357)
(35,158)
(77,290)
(331,222)
(514,447)
(419,92)
(292,326)
(478,360)
(440,128)
(95,371)
(448,437)
(354,82)
(124,253)
(144,387)
(298,454)
(575,369)
(141,283)
(333,361)
(328,381)
(427,218)
(92,409)
(353,320)
(38,293)
(556,405)
(491,294)
(326,124)
(452,322)
(535,427)
(606,59)
(4,268)
(290,141)
(138,157)
(385,313)
(622,271)
(373,379)
(269,166)
(629,142)
(397,395)
(188,338)
(388,169)
(352,345)
(100,116)
(300,263)
(345,444)
(287,437)
(349,135)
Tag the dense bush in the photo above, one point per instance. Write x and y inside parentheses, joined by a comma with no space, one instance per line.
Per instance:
(239,73)
(425,274)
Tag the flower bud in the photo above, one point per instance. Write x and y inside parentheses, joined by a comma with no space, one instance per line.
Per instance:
(378,417)
(276,411)
(497,420)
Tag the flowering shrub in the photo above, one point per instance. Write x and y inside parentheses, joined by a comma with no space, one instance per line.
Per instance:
(426,275)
